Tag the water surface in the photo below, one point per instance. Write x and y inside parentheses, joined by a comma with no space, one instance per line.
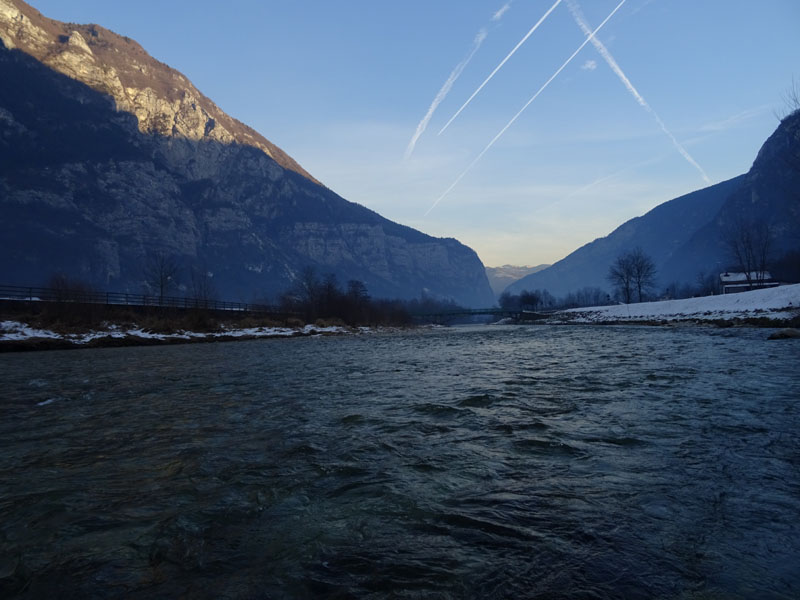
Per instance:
(477,462)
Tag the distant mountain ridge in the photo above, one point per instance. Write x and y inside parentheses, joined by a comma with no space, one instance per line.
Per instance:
(501,277)
(108,157)
(685,236)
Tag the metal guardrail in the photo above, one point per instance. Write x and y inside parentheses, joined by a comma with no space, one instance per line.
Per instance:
(42,294)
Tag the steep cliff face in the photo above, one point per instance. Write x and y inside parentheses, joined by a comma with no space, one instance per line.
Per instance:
(108,157)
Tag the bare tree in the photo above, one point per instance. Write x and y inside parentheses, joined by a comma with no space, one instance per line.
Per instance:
(161,274)
(329,295)
(643,271)
(306,286)
(589,296)
(509,301)
(357,291)
(632,271)
(749,243)
(304,294)
(706,284)
(358,302)
(791,100)
(529,300)
(203,289)
(620,275)
(67,289)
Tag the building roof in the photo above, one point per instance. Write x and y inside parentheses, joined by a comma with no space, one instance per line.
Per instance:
(742,277)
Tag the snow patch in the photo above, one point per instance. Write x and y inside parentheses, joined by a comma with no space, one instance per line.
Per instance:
(17,331)
(14,330)
(773,303)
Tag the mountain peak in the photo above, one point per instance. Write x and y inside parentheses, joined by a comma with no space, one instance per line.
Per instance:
(162,99)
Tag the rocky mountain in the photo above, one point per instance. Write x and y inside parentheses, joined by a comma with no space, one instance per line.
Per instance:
(770,193)
(501,277)
(109,158)
(686,236)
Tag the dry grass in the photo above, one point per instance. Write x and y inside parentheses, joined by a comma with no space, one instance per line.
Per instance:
(253,321)
(68,318)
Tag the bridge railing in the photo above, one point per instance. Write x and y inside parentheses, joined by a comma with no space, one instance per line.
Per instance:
(58,295)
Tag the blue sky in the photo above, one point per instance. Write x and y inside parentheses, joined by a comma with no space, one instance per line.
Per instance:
(343,86)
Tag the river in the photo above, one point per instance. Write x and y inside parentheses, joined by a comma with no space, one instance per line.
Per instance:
(466,462)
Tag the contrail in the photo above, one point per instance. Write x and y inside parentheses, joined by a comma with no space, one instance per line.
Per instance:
(445,89)
(600,47)
(498,67)
(516,116)
(448,84)
(503,9)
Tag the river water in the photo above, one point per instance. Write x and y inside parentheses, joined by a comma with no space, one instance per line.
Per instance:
(468,462)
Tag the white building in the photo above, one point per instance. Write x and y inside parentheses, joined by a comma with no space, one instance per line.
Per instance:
(731,283)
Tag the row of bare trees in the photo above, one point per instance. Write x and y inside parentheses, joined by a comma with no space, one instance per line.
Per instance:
(543,300)
(162,276)
(749,243)
(322,298)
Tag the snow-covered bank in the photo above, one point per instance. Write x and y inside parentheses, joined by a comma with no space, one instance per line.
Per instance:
(778,304)
(17,331)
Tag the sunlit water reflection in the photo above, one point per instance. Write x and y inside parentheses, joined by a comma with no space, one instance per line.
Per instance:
(482,462)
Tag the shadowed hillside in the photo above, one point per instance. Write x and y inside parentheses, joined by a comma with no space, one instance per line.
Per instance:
(96,189)
(687,236)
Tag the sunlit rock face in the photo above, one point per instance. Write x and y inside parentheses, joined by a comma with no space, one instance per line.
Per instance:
(108,157)
(162,99)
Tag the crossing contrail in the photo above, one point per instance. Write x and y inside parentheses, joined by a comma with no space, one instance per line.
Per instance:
(528,103)
(498,67)
(600,47)
(448,84)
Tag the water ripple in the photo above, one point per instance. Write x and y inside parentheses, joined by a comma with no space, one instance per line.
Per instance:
(535,462)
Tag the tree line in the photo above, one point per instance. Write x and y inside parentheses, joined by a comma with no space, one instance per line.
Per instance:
(632,274)
(542,300)
(313,297)
(317,297)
